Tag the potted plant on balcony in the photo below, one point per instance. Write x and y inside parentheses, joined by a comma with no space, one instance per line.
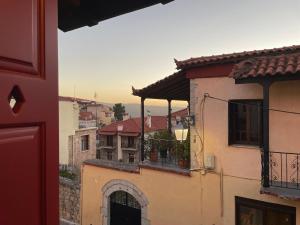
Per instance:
(151,147)
(154,154)
(164,142)
(184,153)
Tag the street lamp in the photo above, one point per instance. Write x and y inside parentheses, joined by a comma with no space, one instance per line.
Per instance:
(181,133)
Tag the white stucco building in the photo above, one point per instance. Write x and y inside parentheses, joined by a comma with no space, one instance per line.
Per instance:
(68,124)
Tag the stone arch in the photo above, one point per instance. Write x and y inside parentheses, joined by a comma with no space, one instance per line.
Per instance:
(123,185)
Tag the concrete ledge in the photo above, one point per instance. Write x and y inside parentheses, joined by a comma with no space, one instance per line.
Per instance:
(179,171)
(120,166)
(284,193)
(135,168)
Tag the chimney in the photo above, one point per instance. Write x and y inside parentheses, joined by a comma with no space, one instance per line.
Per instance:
(148,121)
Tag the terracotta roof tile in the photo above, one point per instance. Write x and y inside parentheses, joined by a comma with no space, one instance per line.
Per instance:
(234,57)
(287,64)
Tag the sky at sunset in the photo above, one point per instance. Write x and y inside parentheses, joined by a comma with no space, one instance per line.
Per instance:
(138,49)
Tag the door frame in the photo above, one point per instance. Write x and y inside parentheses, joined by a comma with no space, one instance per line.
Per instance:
(240,201)
(123,185)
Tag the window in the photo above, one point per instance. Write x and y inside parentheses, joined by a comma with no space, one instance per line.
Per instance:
(130,143)
(109,155)
(125,199)
(252,212)
(109,140)
(98,154)
(131,157)
(245,122)
(84,142)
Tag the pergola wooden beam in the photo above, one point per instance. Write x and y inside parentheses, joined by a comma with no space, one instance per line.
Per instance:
(174,87)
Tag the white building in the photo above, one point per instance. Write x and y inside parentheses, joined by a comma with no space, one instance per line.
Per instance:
(68,124)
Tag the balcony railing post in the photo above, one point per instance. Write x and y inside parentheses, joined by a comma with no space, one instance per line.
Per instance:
(169,116)
(297,171)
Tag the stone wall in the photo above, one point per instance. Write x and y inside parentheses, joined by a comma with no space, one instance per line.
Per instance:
(76,155)
(69,201)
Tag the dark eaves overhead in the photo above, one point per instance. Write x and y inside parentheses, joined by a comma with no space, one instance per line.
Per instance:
(73,14)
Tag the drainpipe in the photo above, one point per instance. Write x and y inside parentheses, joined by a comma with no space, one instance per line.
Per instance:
(266,130)
(143,128)
(73,151)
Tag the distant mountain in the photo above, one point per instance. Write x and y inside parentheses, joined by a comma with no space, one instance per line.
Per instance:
(134,110)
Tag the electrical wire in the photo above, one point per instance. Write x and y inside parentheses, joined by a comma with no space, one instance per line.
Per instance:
(248,104)
(201,136)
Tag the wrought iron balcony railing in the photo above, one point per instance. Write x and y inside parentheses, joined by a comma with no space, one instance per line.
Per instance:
(167,153)
(284,170)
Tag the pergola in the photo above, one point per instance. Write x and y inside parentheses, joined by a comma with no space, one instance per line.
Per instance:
(174,87)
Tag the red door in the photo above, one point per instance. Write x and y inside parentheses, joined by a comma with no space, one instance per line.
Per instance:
(29,124)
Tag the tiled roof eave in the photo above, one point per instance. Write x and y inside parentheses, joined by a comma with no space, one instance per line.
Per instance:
(282,67)
(233,57)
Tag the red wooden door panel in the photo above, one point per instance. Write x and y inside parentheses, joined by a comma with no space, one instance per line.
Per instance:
(23,173)
(29,127)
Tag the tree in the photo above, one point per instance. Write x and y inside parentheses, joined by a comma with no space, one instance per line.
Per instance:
(119,111)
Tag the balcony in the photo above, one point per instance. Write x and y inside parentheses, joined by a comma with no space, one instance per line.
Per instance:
(167,154)
(129,146)
(284,170)
(284,175)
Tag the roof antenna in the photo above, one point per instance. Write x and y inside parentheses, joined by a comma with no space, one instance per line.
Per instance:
(74,97)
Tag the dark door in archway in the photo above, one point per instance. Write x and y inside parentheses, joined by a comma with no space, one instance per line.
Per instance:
(124,209)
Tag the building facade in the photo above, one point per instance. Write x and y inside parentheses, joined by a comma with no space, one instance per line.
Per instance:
(68,123)
(86,120)
(243,149)
(120,141)
(103,114)
(82,146)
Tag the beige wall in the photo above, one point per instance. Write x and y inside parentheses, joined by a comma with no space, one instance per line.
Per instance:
(173,199)
(68,123)
(240,165)
(284,128)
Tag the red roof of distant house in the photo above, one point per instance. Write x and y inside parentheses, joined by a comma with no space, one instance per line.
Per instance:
(235,57)
(181,113)
(133,126)
(86,116)
(288,64)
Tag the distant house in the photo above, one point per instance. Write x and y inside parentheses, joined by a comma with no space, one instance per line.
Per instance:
(82,146)
(120,140)
(102,113)
(178,116)
(86,120)
(77,133)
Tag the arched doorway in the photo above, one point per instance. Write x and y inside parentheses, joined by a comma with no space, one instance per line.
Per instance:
(124,209)
(115,186)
